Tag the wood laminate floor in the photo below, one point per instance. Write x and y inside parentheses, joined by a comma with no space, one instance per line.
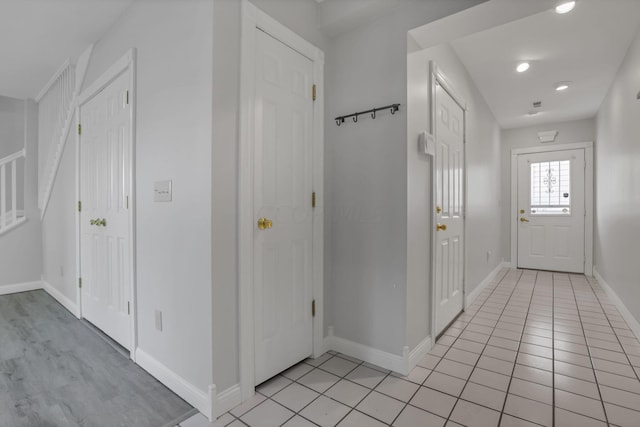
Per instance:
(55,371)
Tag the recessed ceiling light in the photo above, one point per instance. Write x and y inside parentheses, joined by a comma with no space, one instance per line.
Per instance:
(566,7)
(522,67)
(562,86)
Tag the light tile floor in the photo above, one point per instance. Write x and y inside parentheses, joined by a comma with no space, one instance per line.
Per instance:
(535,348)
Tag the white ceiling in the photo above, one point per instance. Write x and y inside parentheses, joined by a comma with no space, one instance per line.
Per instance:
(585,46)
(37,36)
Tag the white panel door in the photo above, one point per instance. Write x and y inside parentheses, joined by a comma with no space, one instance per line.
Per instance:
(449,195)
(105,174)
(282,198)
(551,211)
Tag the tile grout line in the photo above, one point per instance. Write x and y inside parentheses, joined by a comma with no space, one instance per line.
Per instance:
(450,346)
(604,409)
(487,299)
(614,332)
(553,349)
(504,404)
(506,304)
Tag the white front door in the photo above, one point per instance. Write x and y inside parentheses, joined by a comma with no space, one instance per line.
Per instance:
(105,176)
(449,195)
(551,211)
(282,207)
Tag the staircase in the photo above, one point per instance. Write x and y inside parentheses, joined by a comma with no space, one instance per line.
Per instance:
(12,191)
(56,107)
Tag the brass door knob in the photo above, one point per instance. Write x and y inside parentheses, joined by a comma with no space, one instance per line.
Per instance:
(441,227)
(438,209)
(524,219)
(264,223)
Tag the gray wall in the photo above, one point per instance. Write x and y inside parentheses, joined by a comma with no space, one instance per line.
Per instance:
(483,226)
(11,125)
(174,42)
(366,178)
(20,248)
(59,226)
(573,131)
(617,229)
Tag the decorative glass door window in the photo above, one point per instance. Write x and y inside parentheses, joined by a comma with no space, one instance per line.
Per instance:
(551,188)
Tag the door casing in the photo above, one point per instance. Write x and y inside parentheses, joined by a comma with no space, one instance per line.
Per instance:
(253,19)
(588,197)
(126,62)
(437,77)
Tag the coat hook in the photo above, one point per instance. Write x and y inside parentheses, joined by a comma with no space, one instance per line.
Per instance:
(373,114)
(338,122)
(355,119)
(394,109)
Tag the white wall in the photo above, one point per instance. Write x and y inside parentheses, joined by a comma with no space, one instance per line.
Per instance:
(617,229)
(573,131)
(483,185)
(173,141)
(366,178)
(58,227)
(11,125)
(20,248)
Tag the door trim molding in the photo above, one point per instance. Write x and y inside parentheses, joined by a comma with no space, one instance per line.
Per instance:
(437,77)
(588,197)
(253,19)
(126,62)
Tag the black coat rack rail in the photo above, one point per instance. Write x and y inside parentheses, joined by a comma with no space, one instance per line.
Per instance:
(392,108)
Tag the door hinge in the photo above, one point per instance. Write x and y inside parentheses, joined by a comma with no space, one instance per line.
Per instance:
(79,206)
(128,307)
(127,202)
(313,92)
(80,282)
(313,308)
(79,129)
(127,97)
(313,199)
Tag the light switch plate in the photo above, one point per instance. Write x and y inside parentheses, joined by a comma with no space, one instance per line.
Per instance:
(162,191)
(426,144)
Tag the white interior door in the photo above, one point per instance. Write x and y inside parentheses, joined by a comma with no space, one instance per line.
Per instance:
(282,198)
(105,174)
(551,211)
(449,195)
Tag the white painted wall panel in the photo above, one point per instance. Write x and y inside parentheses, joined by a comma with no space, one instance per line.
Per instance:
(21,248)
(617,230)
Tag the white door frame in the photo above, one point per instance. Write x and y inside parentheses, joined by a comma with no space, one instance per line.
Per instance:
(126,62)
(253,19)
(437,77)
(588,197)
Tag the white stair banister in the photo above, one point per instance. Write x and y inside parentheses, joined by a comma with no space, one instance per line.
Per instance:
(10,215)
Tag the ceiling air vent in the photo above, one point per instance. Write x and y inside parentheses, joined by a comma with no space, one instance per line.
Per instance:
(537,104)
(548,136)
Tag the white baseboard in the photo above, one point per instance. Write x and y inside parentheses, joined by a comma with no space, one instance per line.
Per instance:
(199,399)
(20,287)
(471,296)
(401,364)
(61,298)
(624,311)
(224,401)
(418,353)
